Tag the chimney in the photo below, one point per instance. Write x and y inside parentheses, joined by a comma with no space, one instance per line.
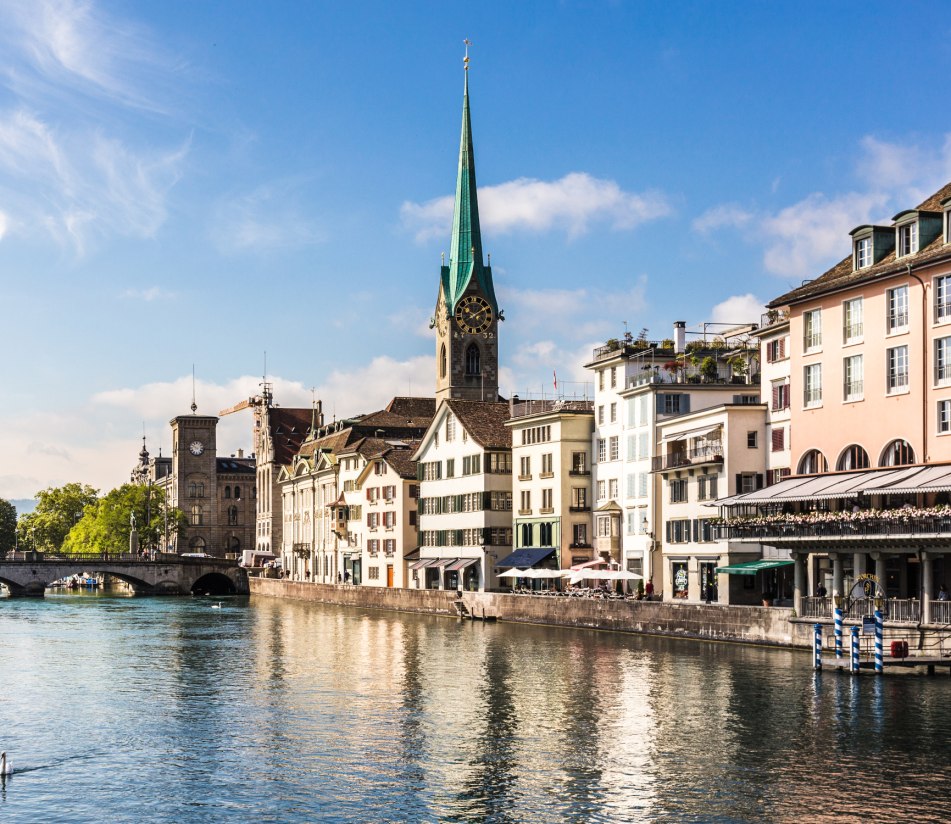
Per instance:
(512,401)
(240,453)
(680,336)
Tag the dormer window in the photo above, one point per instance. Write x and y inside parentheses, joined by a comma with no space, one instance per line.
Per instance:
(907,239)
(863,253)
(947,226)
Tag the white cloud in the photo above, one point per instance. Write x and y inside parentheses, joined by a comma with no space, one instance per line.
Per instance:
(4,222)
(263,220)
(570,204)
(726,215)
(738,309)
(148,295)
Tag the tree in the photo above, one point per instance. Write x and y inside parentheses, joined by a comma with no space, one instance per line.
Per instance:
(106,526)
(8,526)
(57,511)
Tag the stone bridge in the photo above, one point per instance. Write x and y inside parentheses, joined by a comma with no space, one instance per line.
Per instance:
(28,574)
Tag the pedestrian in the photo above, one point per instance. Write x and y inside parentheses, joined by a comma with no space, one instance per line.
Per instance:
(943,593)
(649,589)
(821,591)
(339,577)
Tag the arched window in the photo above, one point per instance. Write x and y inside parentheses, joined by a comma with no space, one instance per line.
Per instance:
(197,544)
(473,360)
(544,534)
(235,544)
(197,515)
(232,515)
(192,490)
(853,457)
(812,463)
(237,492)
(526,535)
(227,491)
(442,361)
(897,453)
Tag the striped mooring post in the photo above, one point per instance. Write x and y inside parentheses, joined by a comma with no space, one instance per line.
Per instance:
(854,669)
(837,613)
(879,642)
(817,646)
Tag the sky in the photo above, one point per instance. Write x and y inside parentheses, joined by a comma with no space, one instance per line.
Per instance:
(257,189)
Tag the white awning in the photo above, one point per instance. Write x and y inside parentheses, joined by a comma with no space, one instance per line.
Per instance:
(694,433)
(914,479)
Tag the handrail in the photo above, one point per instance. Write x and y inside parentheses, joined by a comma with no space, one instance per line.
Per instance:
(108,557)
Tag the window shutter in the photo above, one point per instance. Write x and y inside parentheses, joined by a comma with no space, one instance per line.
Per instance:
(782,347)
(759,480)
(661,400)
(739,483)
(696,530)
(670,531)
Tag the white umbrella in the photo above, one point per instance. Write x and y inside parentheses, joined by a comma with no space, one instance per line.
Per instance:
(513,573)
(546,573)
(624,575)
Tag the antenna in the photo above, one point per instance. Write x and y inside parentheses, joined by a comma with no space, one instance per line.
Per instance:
(194,405)
(465,61)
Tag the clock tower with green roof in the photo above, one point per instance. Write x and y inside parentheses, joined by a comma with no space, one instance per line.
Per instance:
(467,312)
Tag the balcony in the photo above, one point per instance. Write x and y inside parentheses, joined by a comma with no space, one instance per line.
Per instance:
(711,453)
(579,471)
(888,526)
(579,508)
(773,317)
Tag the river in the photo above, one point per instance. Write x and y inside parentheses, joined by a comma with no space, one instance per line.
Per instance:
(119,709)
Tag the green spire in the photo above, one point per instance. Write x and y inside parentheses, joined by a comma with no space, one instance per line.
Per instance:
(465,261)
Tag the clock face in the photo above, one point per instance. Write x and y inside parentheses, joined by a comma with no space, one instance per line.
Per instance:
(196,447)
(474,314)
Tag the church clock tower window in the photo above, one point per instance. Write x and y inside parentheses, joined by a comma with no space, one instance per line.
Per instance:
(467,312)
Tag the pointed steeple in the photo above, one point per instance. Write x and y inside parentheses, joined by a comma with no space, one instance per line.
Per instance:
(465,261)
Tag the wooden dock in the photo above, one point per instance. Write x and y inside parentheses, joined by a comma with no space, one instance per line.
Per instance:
(930,663)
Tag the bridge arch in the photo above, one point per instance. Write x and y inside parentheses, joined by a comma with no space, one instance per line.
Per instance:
(214,583)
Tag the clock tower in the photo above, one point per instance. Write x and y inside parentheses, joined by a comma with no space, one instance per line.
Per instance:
(467,313)
(194,479)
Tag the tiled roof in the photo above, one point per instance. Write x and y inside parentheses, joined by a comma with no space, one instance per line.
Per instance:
(485,421)
(413,413)
(289,427)
(843,274)
(235,466)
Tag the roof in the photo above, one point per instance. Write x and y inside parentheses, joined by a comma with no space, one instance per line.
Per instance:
(235,466)
(401,412)
(288,429)
(844,275)
(484,421)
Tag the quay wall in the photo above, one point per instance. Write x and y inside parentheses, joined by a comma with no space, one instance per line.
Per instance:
(747,624)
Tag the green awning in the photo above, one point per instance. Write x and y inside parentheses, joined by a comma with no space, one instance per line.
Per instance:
(752,567)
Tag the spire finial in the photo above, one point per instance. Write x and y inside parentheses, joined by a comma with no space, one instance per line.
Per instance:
(194,405)
(465,60)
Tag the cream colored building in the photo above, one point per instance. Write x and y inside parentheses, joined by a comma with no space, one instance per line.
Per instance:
(551,482)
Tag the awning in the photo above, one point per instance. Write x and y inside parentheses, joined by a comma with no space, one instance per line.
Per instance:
(917,479)
(460,564)
(694,433)
(752,567)
(526,557)
(420,564)
(439,563)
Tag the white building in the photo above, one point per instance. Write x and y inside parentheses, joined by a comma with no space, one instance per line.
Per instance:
(775,387)
(551,487)
(464,467)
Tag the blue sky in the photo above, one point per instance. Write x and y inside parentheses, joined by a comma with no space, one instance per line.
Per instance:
(200,183)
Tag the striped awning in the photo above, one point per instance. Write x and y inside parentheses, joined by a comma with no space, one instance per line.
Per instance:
(915,479)
(460,564)
(425,562)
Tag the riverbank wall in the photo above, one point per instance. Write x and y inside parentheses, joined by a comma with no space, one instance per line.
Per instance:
(746,624)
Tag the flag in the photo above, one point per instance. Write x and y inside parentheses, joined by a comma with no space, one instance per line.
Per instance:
(556,379)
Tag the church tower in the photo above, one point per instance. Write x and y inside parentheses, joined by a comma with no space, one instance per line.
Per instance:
(467,313)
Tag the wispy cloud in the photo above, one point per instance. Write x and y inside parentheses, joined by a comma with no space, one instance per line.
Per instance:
(738,309)
(263,220)
(570,204)
(148,295)
(726,215)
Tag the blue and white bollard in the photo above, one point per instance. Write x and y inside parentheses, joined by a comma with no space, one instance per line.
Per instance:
(817,646)
(855,651)
(879,642)
(837,613)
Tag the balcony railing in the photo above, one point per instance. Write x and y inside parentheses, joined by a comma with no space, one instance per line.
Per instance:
(579,471)
(940,612)
(581,507)
(897,610)
(711,453)
(772,317)
(860,528)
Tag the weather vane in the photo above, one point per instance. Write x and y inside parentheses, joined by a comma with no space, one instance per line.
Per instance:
(465,61)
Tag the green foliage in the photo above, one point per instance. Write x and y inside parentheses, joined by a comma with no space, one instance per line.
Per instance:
(106,527)
(8,526)
(708,369)
(57,510)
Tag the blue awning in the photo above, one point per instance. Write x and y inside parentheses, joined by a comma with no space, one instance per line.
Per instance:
(526,557)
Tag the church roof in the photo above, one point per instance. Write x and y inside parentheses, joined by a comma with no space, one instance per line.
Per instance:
(465,253)
(484,421)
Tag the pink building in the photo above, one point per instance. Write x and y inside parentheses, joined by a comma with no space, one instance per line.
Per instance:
(868,353)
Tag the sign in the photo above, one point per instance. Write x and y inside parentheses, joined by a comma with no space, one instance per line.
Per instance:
(868,625)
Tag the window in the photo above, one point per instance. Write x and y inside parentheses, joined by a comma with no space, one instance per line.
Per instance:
(227,491)
(442,361)
(863,253)
(544,534)
(601,414)
(642,480)
(704,530)
(547,500)
(602,450)
(198,515)
(547,464)
(373,546)
(897,369)
(389,519)
(526,505)
(707,487)
(579,534)
(430,471)
(774,476)
(471,464)
(942,298)
(613,376)
(614,448)
(601,380)
(854,386)
(898,309)
(778,437)
(525,467)
(942,361)
(579,498)
(232,516)
(812,385)
(373,573)
(678,531)
(748,482)
(673,404)
(780,396)
(473,360)
(607,526)
(451,468)
(499,463)
(852,328)
(944,416)
(612,489)
(813,462)
(450,433)
(812,330)
(752,440)
(898,453)
(373,520)
(602,489)
(579,462)
(678,490)
(775,350)
(613,416)
(853,457)
(908,239)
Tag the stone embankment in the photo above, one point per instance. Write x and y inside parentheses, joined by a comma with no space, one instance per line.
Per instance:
(752,625)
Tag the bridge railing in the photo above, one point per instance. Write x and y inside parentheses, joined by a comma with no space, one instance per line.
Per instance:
(126,557)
